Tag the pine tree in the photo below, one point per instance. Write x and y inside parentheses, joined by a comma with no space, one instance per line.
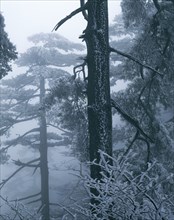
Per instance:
(24,99)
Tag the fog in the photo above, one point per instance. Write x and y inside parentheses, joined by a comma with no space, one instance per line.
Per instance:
(23,19)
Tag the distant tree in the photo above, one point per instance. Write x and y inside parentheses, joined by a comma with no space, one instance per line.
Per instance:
(24,99)
(7,50)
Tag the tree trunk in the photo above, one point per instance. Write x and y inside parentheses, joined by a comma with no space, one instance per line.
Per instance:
(43,156)
(99,106)
(98,91)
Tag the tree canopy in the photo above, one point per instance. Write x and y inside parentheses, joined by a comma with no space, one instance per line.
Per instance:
(7,50)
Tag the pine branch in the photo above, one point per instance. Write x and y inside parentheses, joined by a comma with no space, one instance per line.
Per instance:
(18,139)
(81,9)
(135,60)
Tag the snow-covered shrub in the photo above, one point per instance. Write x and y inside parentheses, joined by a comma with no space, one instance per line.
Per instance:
(123,196)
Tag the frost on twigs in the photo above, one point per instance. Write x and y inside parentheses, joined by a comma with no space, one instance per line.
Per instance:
(122,195)
(17,210)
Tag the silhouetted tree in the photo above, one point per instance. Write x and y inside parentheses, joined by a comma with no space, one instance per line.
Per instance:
(24,99)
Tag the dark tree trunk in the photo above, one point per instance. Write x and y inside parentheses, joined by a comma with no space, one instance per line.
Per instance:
(98,91)
(43,156)
(99,106)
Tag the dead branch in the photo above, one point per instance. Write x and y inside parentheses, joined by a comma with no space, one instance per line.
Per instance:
(80,68)
(135,60)
(81,9)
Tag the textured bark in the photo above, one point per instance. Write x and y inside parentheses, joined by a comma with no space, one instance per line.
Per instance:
(99,106)
(98,91)
(43,157)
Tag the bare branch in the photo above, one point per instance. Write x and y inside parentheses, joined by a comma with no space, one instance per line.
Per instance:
(13,174)
(131,120)
(80,68)
(81,9)
(135,60)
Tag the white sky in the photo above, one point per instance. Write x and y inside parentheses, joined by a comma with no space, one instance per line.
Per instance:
(24,18)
